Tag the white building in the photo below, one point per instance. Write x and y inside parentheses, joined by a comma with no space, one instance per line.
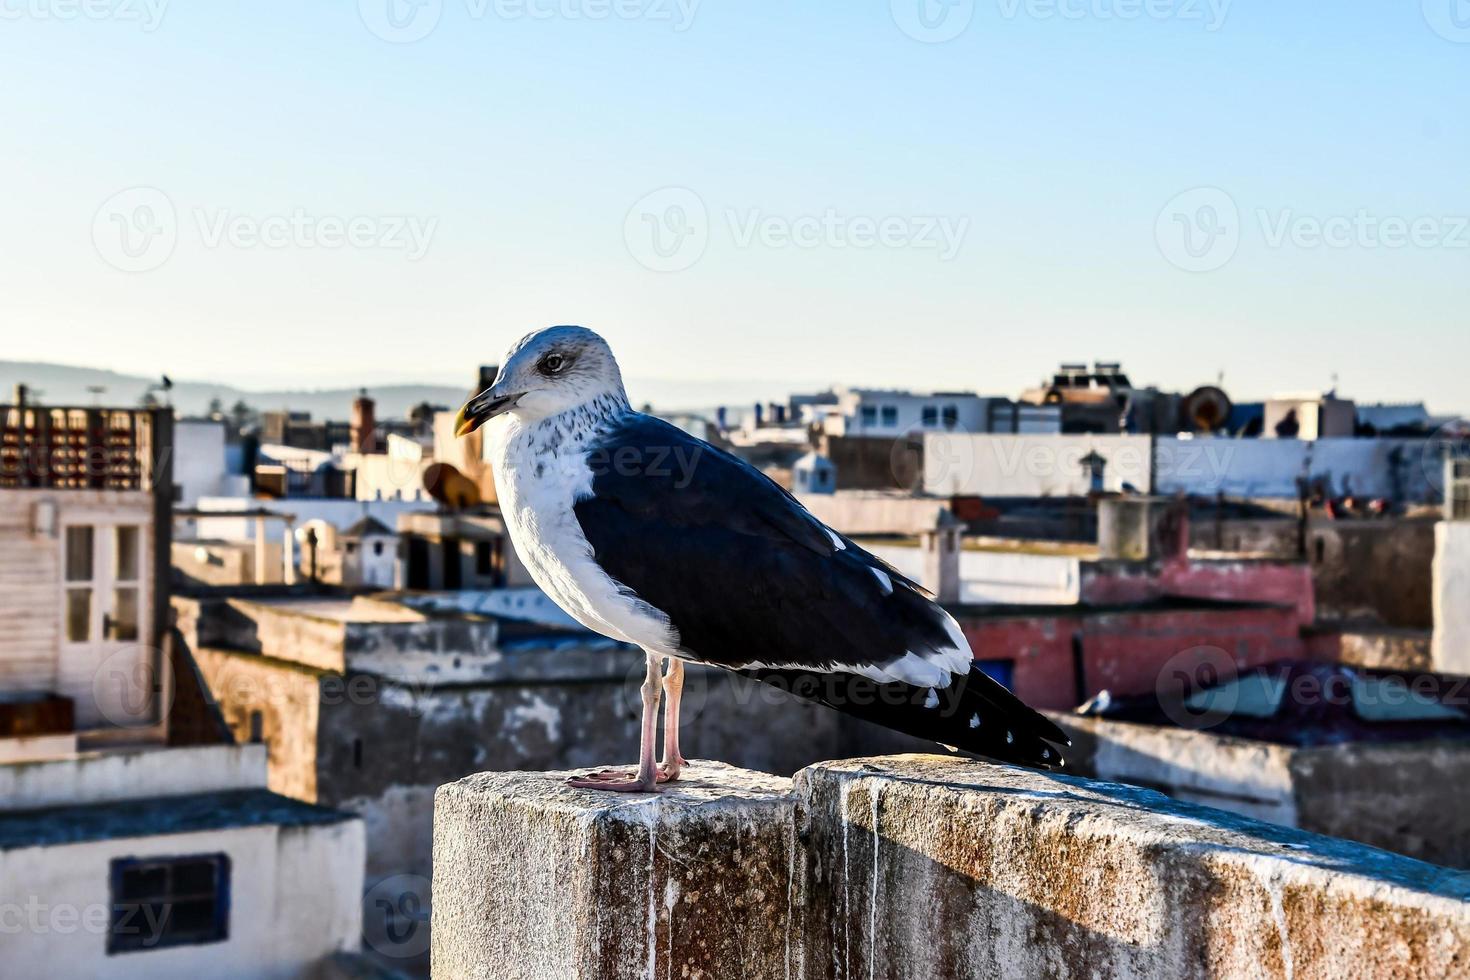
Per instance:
(886,413)
(1451,644)
(171,863)
(1313,415)
(369,554)
(202,462)
(119,855)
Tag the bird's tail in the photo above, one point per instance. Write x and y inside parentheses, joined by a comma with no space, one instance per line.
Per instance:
(975,713)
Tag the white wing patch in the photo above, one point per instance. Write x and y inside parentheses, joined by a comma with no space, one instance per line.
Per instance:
(837,541)
(884,581)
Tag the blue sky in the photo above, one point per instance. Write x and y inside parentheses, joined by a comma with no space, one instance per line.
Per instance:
(330,200)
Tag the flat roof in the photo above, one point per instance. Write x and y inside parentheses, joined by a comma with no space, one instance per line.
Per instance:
(160,815)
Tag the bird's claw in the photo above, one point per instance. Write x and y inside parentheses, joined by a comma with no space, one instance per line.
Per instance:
(614,781)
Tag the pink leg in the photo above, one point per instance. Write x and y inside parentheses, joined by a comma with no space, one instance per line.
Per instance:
(674,762)
(645,780)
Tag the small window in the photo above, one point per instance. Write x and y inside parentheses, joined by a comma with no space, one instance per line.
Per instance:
(79,554)
(352,547)
(127,553)
(890,414)
(930,416)
(870,414)
(78,615)
(124,621)
(377,549)
(951,416)
(484,558)
(162,902)
(257,728)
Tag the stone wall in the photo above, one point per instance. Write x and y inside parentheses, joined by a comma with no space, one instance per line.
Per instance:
(914,866)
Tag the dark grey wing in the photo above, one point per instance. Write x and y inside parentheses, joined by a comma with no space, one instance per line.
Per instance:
(751,580)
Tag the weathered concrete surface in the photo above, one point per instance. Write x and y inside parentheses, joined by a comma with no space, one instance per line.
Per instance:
(535,880)
(939,867)
(915,867)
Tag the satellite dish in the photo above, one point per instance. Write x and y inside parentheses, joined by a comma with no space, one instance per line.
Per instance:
(1206,409)
(451,488)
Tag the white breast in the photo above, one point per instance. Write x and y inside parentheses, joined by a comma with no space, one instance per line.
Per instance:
(538,479)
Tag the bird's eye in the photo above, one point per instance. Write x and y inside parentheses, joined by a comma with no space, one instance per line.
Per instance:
(553,363)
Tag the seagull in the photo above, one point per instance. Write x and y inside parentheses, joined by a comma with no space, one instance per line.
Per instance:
(655,538)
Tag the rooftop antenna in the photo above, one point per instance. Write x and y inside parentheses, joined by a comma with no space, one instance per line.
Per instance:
(97,391)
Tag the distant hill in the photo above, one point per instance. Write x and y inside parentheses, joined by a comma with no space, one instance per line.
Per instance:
(59,384)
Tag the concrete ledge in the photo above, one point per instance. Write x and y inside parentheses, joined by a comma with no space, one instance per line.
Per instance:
(948,868)
(539,881)
(915,866)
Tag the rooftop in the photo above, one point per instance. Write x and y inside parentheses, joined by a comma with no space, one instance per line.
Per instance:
(159,815)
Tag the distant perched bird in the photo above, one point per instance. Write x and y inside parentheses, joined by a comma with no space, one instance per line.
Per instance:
(650,536)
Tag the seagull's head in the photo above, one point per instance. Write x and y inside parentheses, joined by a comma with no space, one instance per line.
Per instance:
(545,373)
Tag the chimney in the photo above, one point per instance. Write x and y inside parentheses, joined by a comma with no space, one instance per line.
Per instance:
(941,545)
(364,424)
(1135,528)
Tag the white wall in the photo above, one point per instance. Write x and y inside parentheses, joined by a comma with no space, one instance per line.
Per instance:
(200,467)
(31,653)
(1395,468)
(1031,466)
(340,512)
(1451,648)
(295,897)
(1050,466)
(992,577)
(106,777)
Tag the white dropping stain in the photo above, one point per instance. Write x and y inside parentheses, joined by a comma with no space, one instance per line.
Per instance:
(540,711)
(877,794)
(974,721)
(846,882)
(1278,915)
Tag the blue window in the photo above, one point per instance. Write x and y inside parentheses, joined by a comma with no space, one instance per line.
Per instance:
(890,415)
(930,416)
(870,415)
(162,902)
(1003,672)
